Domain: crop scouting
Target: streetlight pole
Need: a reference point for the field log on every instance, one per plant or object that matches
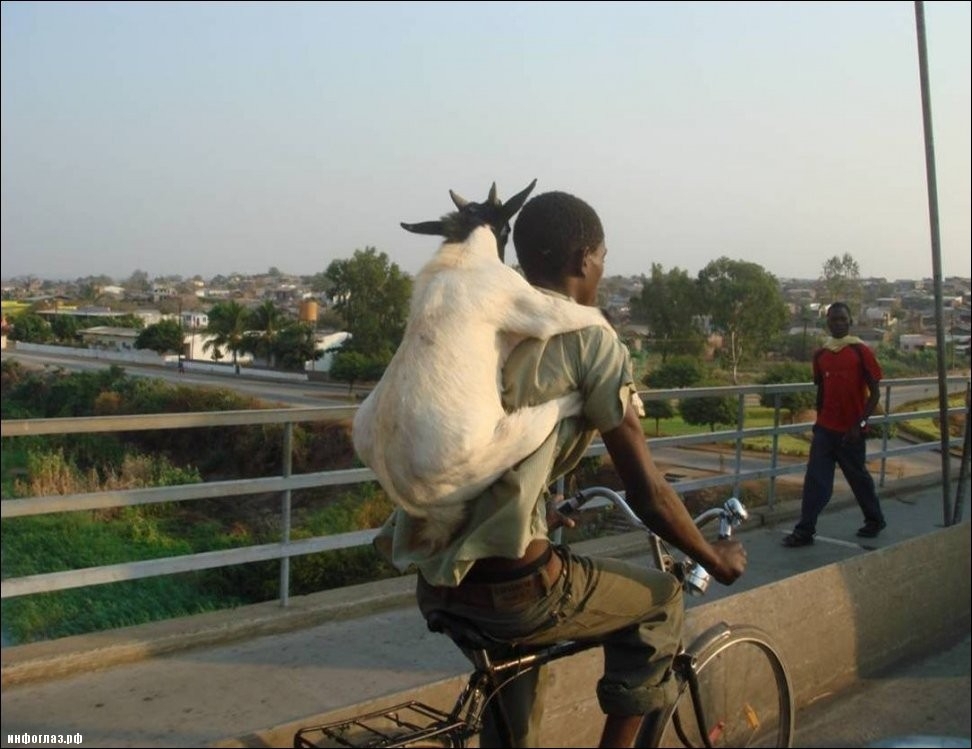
(182, 341)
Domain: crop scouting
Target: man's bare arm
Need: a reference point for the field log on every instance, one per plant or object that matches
(660, 507)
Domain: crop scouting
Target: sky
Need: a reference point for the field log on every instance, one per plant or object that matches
(215, 138)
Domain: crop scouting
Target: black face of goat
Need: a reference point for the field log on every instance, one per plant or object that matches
(458, 225)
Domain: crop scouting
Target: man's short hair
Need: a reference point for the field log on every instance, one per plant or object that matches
(839, 305)
(552, 231)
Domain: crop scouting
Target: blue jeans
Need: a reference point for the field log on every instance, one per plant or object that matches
(828, 450)
(634, 612)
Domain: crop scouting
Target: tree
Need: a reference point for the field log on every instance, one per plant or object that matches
(350, 367)
(30, 327)
(746, 304)
(162, 337)
(266, 321)
(65, 327)
(668, 303)
(710, 409)
(295, 345)
(681, 372)
(658, 410)
(841, 278)
(792, 402)
(372, 295)
(137, 282)
(320, 283)
(227, 326)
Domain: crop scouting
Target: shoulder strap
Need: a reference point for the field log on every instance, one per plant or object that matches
(860, 358)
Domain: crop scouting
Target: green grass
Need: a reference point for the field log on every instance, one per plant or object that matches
(927, 430)
(48, 543)
(756, 416)
(13, 461)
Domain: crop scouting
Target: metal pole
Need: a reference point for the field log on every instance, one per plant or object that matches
(964, 465)
(936, 257)
(775, 452)
(288, 464)
(740, 423)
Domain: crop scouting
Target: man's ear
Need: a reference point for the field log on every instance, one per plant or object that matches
(584, 261)
(577, 265)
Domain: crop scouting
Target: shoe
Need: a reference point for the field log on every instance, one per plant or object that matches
(870, 529)
(795, 539)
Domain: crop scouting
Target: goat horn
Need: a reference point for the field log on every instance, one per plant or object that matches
(458, 200)
(493, 199)
(516, 202)
(425, 227)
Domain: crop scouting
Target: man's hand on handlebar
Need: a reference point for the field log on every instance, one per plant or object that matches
(732, 561)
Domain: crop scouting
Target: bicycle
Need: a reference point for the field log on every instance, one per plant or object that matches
(733, 687)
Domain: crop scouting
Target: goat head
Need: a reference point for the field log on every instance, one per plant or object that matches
(458, 225)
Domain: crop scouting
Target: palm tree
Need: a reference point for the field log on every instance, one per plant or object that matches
(268, 320)
(227, 326)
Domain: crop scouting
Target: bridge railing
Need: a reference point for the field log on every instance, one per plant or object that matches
(287, 482)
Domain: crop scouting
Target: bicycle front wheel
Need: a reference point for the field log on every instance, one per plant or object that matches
(741, 695)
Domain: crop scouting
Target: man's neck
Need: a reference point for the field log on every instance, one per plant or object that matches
(557, 288)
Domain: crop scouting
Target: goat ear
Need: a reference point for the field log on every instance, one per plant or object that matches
(493, 199)
(516, 202)
(426, 227)
(458, 200)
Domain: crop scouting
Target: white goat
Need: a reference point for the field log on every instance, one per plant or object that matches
(434, 429)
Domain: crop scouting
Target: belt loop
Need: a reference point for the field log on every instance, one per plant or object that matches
(545, 577)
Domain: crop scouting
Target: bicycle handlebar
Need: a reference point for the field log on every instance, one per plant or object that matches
(694, 576)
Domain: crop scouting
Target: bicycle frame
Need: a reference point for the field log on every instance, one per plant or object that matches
(411, 722)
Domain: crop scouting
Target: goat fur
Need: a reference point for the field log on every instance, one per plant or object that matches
(434, 429)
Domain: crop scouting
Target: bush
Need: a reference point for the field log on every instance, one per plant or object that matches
(792, 402)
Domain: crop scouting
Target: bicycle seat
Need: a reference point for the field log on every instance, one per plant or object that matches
(462, 631)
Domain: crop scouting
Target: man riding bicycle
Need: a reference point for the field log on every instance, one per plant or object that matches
(499, 569)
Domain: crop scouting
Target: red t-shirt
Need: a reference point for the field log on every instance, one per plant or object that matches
(845, 390)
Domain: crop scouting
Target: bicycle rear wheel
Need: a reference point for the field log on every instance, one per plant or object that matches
(743, 690)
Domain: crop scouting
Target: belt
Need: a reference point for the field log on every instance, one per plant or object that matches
(525, 585)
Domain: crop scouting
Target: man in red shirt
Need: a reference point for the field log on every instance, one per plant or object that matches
(846, 374)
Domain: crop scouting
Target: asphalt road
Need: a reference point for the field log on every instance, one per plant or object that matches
(284, 393)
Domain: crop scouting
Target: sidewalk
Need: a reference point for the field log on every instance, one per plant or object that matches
(374, 643)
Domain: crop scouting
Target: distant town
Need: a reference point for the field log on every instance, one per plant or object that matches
(899, 313)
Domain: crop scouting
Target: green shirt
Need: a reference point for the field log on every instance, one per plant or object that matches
(503, 519)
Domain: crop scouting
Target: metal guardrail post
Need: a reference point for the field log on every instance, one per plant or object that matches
(964, 465)
(884, 436)
(288, 466)
(740, 424)
(775, 452)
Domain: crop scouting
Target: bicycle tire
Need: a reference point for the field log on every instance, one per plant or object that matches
(745, 692)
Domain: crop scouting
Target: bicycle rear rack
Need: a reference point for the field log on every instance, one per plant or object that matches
(405, 724)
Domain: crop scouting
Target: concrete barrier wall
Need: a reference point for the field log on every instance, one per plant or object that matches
(832, 626)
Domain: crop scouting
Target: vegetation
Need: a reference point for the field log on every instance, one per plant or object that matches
(162, 337)
(669, 303)
(746, 305)
(227, 325)
(794, 403)
(710, 410)
(842, 281)
(41, 466)
(372, 296)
